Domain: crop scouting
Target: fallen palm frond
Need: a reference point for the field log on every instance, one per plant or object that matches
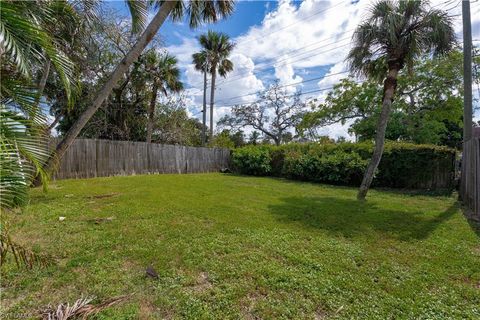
(82, 308)
(23, 256)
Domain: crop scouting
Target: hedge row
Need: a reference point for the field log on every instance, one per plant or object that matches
(403, 165)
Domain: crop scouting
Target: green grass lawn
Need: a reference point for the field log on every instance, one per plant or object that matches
(231, 247)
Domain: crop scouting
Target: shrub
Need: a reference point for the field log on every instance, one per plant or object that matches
(403, 165)
(337, 167)
(252, 160)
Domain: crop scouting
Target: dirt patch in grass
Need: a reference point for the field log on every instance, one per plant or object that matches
(202, 283)
(148, 311)
(320, 314)
(249, 303)
(100, 220)
(471, 282)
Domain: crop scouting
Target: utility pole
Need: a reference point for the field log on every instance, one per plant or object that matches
(204, 110)
(467, 71)
(467, 92)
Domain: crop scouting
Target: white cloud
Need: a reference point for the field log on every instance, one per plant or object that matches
(184, 51)
(291, 39)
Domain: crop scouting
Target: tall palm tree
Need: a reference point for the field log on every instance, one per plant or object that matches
(164, 74)
(394, 35)
(201, 64)
(218, 48)
(196, 11)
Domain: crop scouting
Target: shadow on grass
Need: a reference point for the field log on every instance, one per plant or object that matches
(352, 218)
(473, 220)
(402, 191)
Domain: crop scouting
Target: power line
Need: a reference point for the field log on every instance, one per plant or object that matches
(248, 73)
(444, 4)
(292, 24)
(270, 66)
(286, 85)
(289, 96)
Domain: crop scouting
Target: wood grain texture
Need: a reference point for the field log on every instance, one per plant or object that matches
(89, 158)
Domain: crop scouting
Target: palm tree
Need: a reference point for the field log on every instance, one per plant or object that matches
(201, 64)
(165, 76)
(217, 47)
(394, 35)
(27, 44)
(197, 11)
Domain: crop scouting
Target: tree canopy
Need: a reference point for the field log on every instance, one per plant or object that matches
(428, 107)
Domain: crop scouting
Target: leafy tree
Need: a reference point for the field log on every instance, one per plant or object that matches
(222, 140)
(394, 35)
(428, 107)
(228, 139)
(123, 116)
(254, 137)
(197, 11)
(238, 138)
(275, 114)
(173, 125)
(216, 49)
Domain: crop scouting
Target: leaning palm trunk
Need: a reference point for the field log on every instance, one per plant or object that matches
(151, 113)
(107, 88)
(49, 129)
(204, 117)
(42, 83)
(212, 99)
(389, 86)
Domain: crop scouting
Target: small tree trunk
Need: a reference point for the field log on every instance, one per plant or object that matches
(42, 84)
(212, 99)
(389, 86)
(107, 88)
(151, 113)
(54, 123)
(204, 116)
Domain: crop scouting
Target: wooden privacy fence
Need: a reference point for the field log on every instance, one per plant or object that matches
(88, 158)
(470, 180)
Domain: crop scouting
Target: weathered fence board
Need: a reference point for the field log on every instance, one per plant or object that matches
(88, 158)
(470, 180)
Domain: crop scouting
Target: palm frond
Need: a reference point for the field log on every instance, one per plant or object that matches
(139, 12)
(199, 11)
(82, 307)
(217, 47)
(25, 42)
(398, 32)
(225, 67)
(23, 257)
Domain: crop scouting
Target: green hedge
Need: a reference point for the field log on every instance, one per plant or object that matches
(252, 160)
(403, 165)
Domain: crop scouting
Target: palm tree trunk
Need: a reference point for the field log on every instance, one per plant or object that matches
(212, 99)
(389, 86)
(42, 83)
(54, 123)
(204, 118)
(151, 113)
(106, 89)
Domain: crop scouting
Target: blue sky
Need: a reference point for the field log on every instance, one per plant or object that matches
(285, 41)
